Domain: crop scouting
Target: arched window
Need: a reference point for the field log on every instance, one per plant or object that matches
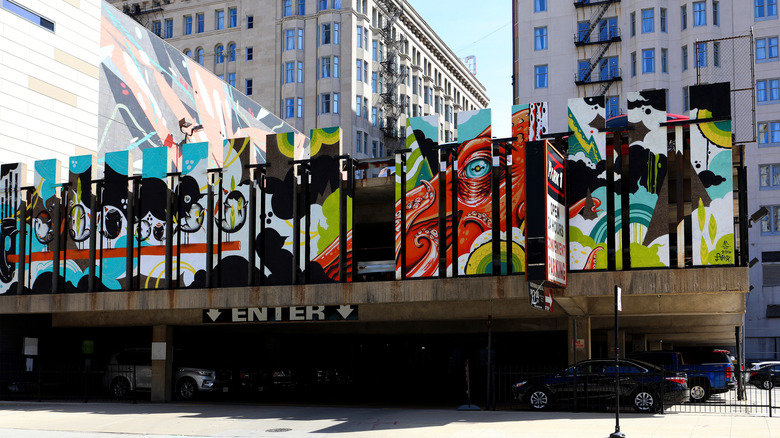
(188, 53)
(231, 52)
(220, 54)
(200, 54)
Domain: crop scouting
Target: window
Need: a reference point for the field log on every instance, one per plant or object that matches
(325, 67)
(335, 103)
(200, 54)
(715, 13)
(220, 54)
(300, 39)
(365, 108)
(768, 90)
(684, 53)
(336, 33)
(540, 76)
(231, 52)
(28, 15)
(374, 82)
(426, 100)
(685, 97)
(375, 148)
(613, 108)
(374, 50)
(765, 9)
(608, 68)
(540, 5)
(168, 28)
(187, 25)
(336, 67)
(633, 64)
(648, 20)
(289, 39)
(701, 54)
(286, 8)
(219, 20)
(232, 17)
(358, 70)
(583, 71)
(374, 116)
(289, 72)
(187, 53)
(366, 71)
(358, 101)
(322, 5)
(662, 18)
(769, 133)
(632, 24)
(289, 108)
(325, 103)
(766, 49)
(683, 17)
(300, 107)
(325, 33)
(770, 224)
(716, 54)
(249, 53)
(664, 61)
(250, 21)
(648, 61)
(157, 27)
(769, 176)
(583, 32)
(232, 79)
(699, 14)
(360, 37)
(540, 38)
(608, 29)
(248, 87)
(201, 23)
(300, 71)
(301, 7)
(359, 141)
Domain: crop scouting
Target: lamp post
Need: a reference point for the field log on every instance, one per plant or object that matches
(618, 307)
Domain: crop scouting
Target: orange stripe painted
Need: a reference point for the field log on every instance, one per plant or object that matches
(82, 254)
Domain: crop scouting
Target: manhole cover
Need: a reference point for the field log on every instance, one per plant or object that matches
(279, 429)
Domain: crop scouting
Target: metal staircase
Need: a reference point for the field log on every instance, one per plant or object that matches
(392, 76)
(583, 77)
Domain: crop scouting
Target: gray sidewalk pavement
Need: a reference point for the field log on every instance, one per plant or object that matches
(115, 420)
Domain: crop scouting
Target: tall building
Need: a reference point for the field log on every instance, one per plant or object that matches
(365, 64)
(609, 48)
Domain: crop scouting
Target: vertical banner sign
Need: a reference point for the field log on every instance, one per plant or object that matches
(192, 214)
(280, 225)
(397, 217)
(78, 212)
(152, 212)
(325, 209)
(232, 215)
(43, 233)
(712, 186)
(114, 224)
(586, 164)
(12, 179)
(474, 190)
(422, 207)
(647, 179)
(556, 217)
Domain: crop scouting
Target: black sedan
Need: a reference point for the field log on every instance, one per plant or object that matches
(765, 377)
(592, 383)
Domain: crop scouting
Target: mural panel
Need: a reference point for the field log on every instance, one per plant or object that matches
(78, 214)
(12, 179)
(647, 179)
(43, 241)
(712, 227)
(152, 211)
(114, 223)
(192, 214)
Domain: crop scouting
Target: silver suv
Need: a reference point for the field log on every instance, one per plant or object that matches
(131, 369)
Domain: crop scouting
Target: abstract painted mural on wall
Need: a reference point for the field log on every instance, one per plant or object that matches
(43, 242)
(712, 228)
(234, 190)
(152, 95)
(151, 218)
(587, 154)
(78, 213)
(474, 185)
(421, 209)
(329, 210)
(12, 179)
(114, 223)
(191, 214)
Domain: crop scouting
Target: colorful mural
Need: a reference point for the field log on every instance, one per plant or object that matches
(647, 179)
(152, 214)
(44, 239)
(12, 179)
(192, 214)
(712, 204)
(587, 154)
(115, 225)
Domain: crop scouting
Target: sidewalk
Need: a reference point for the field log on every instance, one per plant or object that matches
(66, 420)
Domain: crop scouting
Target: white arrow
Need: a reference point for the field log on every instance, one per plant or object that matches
(213, 314)
(344, 311)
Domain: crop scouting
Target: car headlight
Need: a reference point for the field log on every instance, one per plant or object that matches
(519, 384)
(203, 373)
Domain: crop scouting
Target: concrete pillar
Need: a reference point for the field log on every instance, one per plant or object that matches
(611, 342)
(162, 363)
(638, 342)
(579, 330)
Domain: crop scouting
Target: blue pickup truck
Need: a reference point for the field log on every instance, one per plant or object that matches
(709, 371)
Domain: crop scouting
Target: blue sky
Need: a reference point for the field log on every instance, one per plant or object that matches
(482, 29)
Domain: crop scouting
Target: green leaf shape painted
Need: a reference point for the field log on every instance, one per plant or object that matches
(704, 252)
(701, 214)
(713, 228)
(232, 183)
(723, 253)
(330, 209)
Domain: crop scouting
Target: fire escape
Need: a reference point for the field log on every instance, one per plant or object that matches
(143, 16)
(392, 76)
(608, 71)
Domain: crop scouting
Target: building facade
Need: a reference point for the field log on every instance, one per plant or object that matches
(611, 48)
(365, 64)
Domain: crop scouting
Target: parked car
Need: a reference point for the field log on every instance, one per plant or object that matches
(765, 376)
(131, 369)
(592, 383)
(709, 371)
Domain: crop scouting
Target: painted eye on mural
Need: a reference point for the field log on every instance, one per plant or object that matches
(477, 168)
(187, 199)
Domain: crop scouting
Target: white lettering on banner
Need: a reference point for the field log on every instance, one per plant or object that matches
(278, 313)
(297, 314)
(258, 314)
(239, 315)
(311, 311)
(293, 313)
(555, 177)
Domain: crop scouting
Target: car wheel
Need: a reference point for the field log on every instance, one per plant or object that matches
(767, 384)
(644, 401)
(120, 387)
(539, 398)
(186, 389)
(700, 392)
